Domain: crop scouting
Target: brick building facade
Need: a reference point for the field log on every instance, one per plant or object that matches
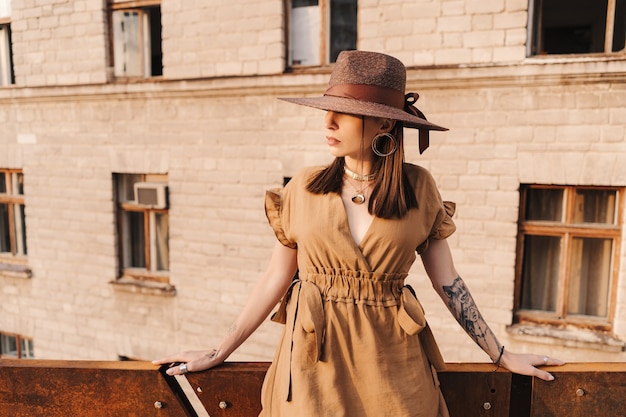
(195, 109)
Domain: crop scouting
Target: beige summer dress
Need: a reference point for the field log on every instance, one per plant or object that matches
(355, 341)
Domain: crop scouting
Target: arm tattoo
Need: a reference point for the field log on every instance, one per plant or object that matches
(213, 353)
(464, 309)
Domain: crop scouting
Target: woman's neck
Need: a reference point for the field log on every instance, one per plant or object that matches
(359, 166)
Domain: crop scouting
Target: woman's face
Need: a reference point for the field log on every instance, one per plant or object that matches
(344, 133)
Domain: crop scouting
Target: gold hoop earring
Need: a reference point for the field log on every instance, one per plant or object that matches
(393, 143)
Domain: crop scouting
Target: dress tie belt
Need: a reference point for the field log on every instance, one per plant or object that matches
(308, 306)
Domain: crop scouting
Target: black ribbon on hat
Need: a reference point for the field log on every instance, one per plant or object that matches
(424, 136)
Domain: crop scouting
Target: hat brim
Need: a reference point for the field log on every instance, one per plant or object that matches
(364, 108)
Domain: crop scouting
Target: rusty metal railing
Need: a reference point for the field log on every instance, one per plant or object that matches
(32, 388)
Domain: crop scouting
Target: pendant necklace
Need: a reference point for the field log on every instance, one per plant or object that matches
(359, 196)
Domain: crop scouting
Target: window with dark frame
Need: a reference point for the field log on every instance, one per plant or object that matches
(136, 38)
(568, 255)
(142, 226)
(7, 76)
(319, 30)
(16, 346)
(12, 215)
(577, 26)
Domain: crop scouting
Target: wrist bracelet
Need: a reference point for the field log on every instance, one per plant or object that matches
(497, 363)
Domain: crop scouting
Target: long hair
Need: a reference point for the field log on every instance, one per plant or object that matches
(392, 195)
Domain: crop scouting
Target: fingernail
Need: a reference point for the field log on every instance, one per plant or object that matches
(550, 377)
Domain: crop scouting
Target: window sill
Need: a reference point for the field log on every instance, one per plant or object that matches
(15, 271)
(569, 336)
(143, 287)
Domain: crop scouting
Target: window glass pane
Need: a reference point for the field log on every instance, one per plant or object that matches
(20, 229)
(154, 46)
(544, 204)
(342, 26)
(589, 278)
(540, 272)
(619, 26)
(19, 184)
(3, 183)
(5, 233)
(8, 345)
(569, 26)
(304, 34)
(303, 3)
(134, 244)
(27, 348)
(162, 241)
(6, 60)
(126, 44)
(5, 8)
(125, 190)
(595, 206)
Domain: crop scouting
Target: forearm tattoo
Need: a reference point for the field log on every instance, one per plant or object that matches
(463, 307)
(213, 353)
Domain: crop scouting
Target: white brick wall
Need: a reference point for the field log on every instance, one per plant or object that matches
(223, 138)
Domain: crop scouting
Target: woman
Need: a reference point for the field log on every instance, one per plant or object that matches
(356, 342)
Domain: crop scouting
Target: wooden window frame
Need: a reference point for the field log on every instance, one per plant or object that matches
(149, 273)
(139, 6)
(324, 35)
(11, 199)
(567, 230)
(18, 344)
(7, 77)
(535, 35)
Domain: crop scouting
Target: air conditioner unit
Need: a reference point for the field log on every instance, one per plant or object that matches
(152, 194)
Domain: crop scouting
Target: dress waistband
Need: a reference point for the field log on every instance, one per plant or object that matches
(361, 287)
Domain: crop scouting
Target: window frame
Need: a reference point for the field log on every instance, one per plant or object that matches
(535, 29)
(146, 42)
(567, 230)
(324, 36)
(7, 75)
(18, 246)
(19, 340)
(149, 273)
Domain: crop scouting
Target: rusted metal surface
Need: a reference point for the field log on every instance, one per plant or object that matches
(476, 390)
(581, 390)
(30, 388)
(139, 389)
(232, 389)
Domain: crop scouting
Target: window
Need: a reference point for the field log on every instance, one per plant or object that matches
(12, 218)
(6, 55)
(136, 29)
(577, 26)
(16, 346)
(142, 226)
(568, 253)
(320, 29)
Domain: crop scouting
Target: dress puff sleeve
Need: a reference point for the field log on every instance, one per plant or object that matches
(444, 225)
(273, 211)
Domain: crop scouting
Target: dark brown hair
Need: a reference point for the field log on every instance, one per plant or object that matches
(392, 195)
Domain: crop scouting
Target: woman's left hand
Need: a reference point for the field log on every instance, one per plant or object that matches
(527, 363)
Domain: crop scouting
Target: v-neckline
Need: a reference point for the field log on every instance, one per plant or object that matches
(358, 245)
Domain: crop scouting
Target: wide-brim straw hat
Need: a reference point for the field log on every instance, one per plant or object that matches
(371, 84)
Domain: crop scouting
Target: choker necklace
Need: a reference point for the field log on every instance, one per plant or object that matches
(358, 177)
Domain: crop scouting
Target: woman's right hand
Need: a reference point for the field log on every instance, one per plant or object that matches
(196, 360)
(264, 297)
